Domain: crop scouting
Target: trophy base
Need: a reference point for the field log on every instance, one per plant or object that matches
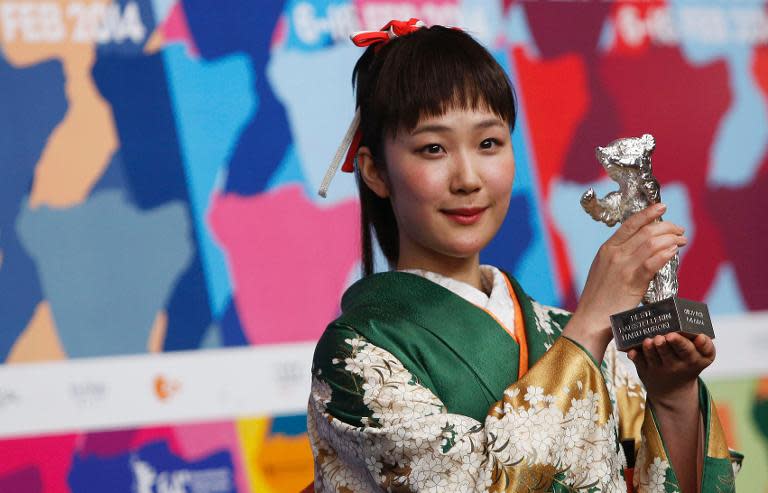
(672, 314)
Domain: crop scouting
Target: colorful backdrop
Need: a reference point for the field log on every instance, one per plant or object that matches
(166, 263)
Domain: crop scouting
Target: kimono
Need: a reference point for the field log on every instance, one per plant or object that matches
(416, 389)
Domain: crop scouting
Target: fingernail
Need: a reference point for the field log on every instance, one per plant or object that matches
(661, 207)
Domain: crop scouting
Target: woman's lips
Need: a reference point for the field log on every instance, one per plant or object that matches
(465, 215)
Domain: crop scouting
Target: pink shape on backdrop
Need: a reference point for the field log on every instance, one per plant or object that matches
(114, 442)
(200, 440)
(280, 34)
(106, 443)
(289, 260)
(52, 456)
(176, 29)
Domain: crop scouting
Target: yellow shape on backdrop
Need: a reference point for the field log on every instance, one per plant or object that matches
(275, 463)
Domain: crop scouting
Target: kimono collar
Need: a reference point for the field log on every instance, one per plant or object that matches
(498, 303)
(385, 307)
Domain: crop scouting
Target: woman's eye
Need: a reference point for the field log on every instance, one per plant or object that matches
(489, 143)
(432, 149)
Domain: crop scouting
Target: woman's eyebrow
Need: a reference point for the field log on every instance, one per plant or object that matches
(435, 127)
(438, 128)
(491, 122)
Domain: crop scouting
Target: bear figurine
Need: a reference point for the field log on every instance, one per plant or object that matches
(628, 162)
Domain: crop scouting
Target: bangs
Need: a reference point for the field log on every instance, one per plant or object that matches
(428, 73)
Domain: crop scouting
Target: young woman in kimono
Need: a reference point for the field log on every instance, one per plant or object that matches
(443, 374)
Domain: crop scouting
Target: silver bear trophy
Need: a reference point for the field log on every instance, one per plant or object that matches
(628, 162)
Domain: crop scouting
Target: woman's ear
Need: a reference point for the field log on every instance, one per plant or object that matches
(371, 174)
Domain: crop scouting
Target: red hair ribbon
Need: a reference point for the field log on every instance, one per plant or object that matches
(391, 30)
(353, 136)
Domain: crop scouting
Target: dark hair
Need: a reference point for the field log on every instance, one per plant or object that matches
(422, 74)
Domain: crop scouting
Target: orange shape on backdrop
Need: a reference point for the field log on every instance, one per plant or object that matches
(274, 462)
(39, 341)
(762, 388)
(158, 332)
(726, 420)
(286, 462)
(79, 149)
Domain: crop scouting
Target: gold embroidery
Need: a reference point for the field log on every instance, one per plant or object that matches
(557, 370)
(630, 398)
(652, 437)
(631, 422)
(717, 448)
(532, 478)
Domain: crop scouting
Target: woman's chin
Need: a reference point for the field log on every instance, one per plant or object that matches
(465, 251)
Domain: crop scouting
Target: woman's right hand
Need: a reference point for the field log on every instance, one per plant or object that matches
(620, 274)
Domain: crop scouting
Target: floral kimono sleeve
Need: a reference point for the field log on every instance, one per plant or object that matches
(374, 427)
(639, 427)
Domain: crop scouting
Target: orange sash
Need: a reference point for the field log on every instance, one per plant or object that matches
(518, 334)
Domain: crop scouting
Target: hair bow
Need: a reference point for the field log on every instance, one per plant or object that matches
(391, 30)
(351, 141)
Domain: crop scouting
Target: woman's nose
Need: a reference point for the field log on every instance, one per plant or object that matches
(466, 178)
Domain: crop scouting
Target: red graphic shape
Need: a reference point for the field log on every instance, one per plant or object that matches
(51, 457)
(560, 28)
(760, 69)
(175, 29)
(553, 112)
(27, 480)
(659, 92)
(744, 234)
(632, 37)
(116, 442)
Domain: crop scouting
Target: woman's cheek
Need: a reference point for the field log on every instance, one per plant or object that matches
(501, 180)
(424, 185)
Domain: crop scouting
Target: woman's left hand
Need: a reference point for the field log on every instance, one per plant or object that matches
(669, 365)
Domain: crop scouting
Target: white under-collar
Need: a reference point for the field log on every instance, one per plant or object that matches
(499, 303)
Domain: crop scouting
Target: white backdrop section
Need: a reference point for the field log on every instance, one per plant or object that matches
(198, 386)
(169, 388)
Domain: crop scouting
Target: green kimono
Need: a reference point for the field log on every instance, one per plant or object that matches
(416, 389)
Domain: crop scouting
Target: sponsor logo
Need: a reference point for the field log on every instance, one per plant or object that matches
(290, 373)
(148, 480)
(88, 393)
(151, 468)
(8, 398)
(165, 388)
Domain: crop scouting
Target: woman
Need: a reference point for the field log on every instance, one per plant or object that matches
(442, 374)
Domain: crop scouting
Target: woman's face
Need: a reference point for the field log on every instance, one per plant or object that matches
(450, 181)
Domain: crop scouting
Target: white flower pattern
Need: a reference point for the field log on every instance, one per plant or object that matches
(411, 443)
(419, 446)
